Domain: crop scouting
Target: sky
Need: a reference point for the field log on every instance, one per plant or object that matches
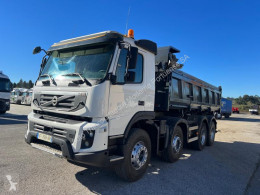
(220, 37)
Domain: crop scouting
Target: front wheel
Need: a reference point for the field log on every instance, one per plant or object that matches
(226, 116)
(137, 153)
(174, 149)
(2, 112)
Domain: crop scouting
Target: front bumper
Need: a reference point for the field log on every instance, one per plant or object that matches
(70, 142)
(4, 104)
(98, 159)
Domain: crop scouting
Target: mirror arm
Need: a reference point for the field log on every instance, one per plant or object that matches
(128, 60)
(44, 52)
(127, 65)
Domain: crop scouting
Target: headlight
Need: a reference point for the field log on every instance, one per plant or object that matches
(87, 139)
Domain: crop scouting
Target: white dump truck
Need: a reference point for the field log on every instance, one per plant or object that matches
(27, 97)
(5, 88)
(107, 99)
(17, 95)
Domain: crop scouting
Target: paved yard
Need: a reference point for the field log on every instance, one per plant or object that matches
(231, 166)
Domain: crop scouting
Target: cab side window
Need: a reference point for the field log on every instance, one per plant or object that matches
(138, 70)
(121, 68)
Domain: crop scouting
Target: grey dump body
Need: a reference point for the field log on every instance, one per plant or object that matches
(176, 89)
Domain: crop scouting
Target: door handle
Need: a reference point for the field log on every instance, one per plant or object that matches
(141, 103)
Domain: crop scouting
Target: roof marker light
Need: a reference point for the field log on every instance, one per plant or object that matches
(130, 33)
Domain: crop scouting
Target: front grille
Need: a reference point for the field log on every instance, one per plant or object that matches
(63, 133)
(57, 101)
(61, 118)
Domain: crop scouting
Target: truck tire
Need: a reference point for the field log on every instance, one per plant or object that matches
(137, 153)
(211, 134)
(3, 108)
(201, 142)
(174, 149)
(226, 116)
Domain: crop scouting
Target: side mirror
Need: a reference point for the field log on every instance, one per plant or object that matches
(132, 57)
(37, 50)
(130, 76)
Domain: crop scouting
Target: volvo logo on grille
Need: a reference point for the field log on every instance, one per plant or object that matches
(54, 101)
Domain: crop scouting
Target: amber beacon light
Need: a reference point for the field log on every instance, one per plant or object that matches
(131, 33)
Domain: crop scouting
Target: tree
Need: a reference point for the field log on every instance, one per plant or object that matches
(30, 84)
(20, 84)
(24, 84)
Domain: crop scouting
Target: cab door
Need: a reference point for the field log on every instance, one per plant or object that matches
(126, 97)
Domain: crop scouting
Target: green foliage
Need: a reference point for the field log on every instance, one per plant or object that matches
(23, 84)
(245, 102)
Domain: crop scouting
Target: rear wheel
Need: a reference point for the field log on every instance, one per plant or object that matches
(137, 153)
(3, 108)
(226, 116)
(174, 149)
(211, 134)
(202, 139)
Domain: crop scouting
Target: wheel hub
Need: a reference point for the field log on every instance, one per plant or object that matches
(203, 137)
(176, 143)
(212, 135)
(139, 155)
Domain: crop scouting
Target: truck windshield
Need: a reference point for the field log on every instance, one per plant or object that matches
(91, 62)
(5, 85)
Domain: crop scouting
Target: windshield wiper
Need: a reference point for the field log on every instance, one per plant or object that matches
(50, 78)
(82, 78)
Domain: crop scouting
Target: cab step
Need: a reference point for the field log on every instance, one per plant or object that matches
(116, 158)
(192, 139)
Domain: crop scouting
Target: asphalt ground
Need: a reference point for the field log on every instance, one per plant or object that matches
(230, 166)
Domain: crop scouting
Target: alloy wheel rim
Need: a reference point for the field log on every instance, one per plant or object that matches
(212, 135)
(176, 143)
(203, 137)
(139, 155)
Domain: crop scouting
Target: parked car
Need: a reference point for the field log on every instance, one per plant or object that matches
(254, 109)
(235, 110)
